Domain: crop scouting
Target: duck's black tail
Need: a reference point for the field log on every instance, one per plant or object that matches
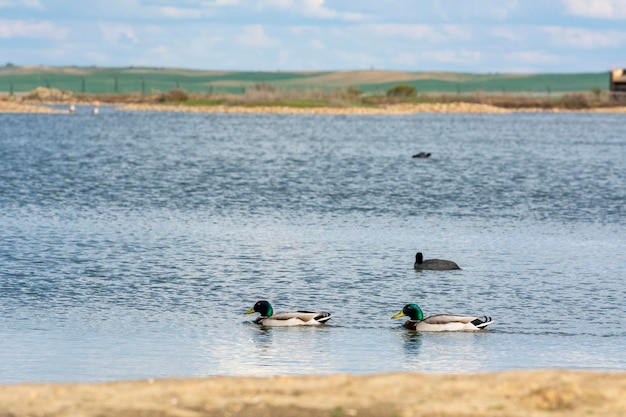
(323, 317)
(482, 322)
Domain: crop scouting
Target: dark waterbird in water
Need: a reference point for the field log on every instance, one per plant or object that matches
(440, 322)
(422, 155)
(433, 264)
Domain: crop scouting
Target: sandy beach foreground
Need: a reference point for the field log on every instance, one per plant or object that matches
(516, 393)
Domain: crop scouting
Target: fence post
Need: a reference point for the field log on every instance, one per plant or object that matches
(10, 88)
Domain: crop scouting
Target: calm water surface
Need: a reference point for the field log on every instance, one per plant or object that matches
(132, 243)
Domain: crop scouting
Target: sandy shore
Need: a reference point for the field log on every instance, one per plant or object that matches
(400, 109)
(24, 107)
(16, 107)
(522, 393)
(392, 109)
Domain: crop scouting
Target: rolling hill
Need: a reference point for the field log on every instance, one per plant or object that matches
(14, 79)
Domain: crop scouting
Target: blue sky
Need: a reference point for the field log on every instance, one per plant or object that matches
(299, 35)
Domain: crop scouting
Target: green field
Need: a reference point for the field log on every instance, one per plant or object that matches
(96, 80)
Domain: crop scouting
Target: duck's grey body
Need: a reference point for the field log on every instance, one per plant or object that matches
(448, 323)
(295, 318)
(433, 264)
(440, 322)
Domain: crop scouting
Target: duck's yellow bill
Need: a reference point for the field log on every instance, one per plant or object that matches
(249, 311)
(395, 316)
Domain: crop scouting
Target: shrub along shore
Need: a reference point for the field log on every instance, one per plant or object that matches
(350, 101)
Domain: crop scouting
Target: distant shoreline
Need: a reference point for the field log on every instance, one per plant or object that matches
(557, 393)
(397, 109)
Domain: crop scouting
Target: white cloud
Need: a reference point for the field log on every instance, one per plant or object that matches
(311, 8)
(423, 32)
(602, 9)
(315, 8)
(317, 44)
(173, 12)
(154, 30)
(531, 57)
(457, 32)
(504, 9)
(254, 35)
(203, 42)
(278, 4)
(416, 32)
(113, 10)
(188, 53)
(453, 57)
(98, 58)
(158, 50)
(301, 30)
(115, 34)
(505, 32)
(195, 9)
(223, 3)
(26, 4)
(406, 59)
(584, 38)
(12, 29)
(322, 34)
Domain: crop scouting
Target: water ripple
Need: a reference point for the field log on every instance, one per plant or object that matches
(133, 242)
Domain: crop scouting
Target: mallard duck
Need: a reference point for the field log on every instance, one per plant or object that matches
(440, 322)
(433, 264)
(296, 318)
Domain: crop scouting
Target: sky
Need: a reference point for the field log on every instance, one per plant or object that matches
(482, 36)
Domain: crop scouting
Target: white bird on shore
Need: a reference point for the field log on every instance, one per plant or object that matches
(440, 322)
(296, 318)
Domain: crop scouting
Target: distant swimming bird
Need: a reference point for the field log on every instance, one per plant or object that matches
(433, 264)
(422, 155)
(440, 322)
(297, 318)
(72, 109)
(96, 110)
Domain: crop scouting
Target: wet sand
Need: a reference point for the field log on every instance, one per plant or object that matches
(517, 393)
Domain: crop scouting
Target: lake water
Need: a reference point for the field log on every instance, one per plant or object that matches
(132, 243)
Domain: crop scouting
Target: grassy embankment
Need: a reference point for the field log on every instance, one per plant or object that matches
(361, 89)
